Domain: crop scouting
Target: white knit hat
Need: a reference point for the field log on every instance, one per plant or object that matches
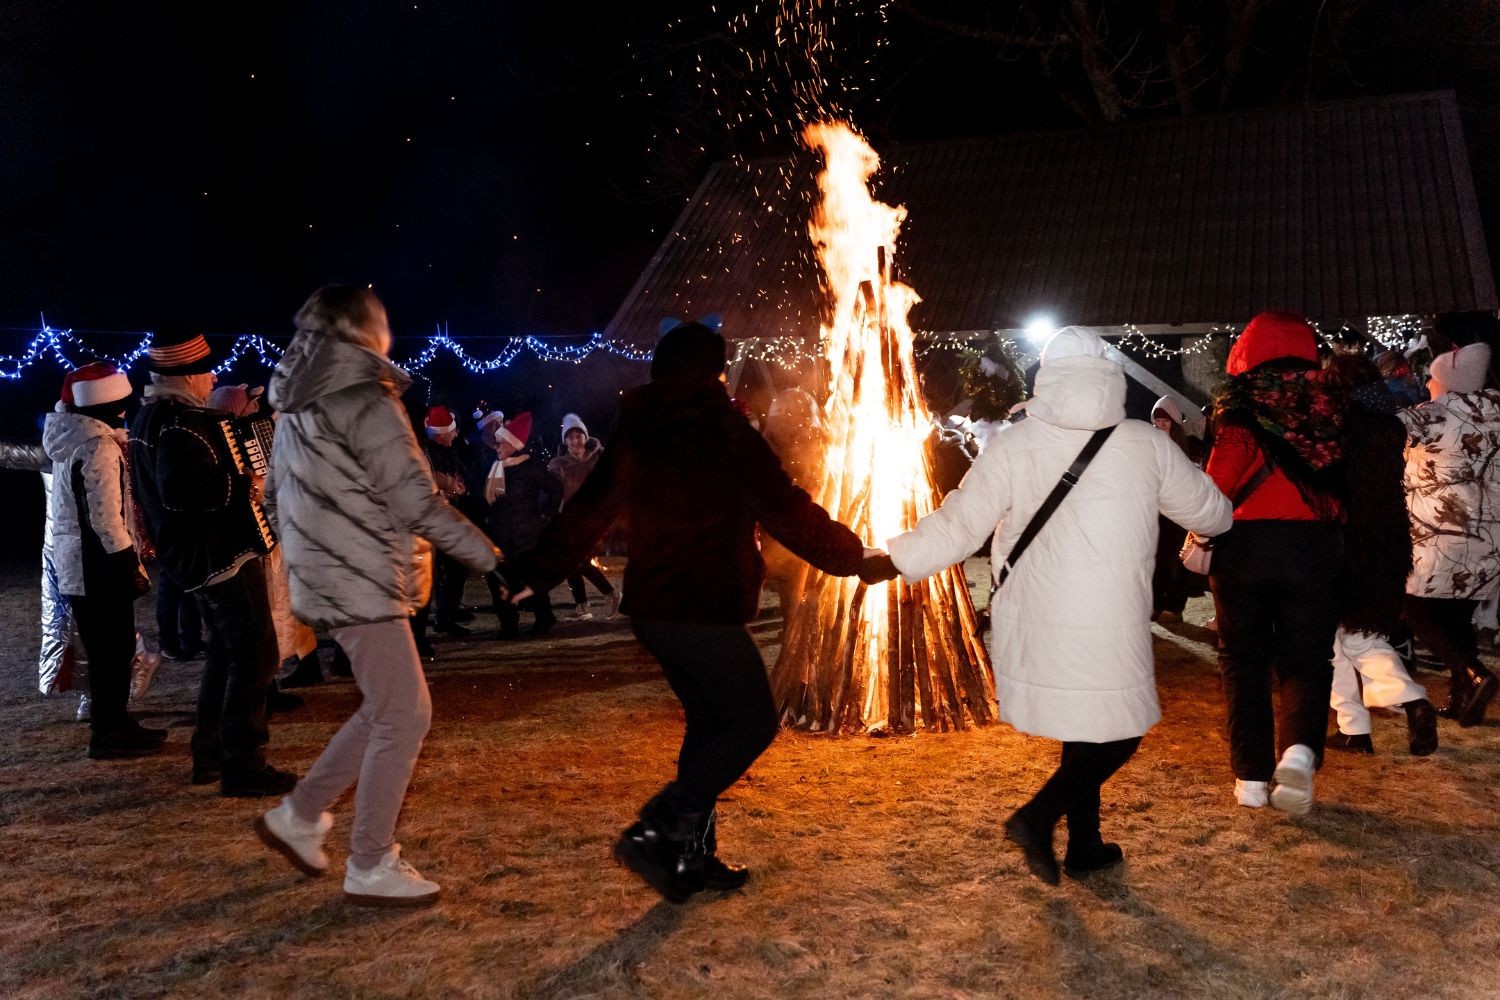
(572, 421)
(487, 420)
(1462, 369)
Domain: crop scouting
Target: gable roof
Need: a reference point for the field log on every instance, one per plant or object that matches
(1343, 209)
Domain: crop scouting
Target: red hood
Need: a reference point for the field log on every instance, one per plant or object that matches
(1269, 336)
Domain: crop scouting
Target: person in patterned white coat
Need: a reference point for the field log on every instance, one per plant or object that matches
(1088, 681)
(1453, 499)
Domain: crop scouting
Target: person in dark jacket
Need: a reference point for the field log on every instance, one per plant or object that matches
(695, 479)
(1367, 670)
(97, 566)
(1275, 575)
(448, 457)
(199, 512)
(522, 496)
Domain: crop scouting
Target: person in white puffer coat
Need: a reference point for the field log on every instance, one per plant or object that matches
(1071, 628)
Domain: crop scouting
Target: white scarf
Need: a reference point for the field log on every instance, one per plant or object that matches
(494, 483)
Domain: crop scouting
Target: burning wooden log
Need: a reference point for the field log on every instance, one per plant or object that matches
(894, 656)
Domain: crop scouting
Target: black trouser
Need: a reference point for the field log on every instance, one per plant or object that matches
(1073, 789)
(594, 575)
(717, 673)
(450, 575)
(1445, 625)
(179, 627)
(242, 660)
(1276, 598)
(106, 625)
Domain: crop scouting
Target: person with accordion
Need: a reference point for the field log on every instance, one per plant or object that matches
(194, 480)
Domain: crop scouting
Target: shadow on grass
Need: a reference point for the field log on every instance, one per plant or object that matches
(610, 967)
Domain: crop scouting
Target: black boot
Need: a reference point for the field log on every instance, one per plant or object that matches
(1036, 844)
(1421, 727)
(1091, 858)
(510, 620)
(1480, 689)
(129, 739)
(340, 666)
(545, 618)
(424, 648)
(723, 876)
(1358, 743)
(662, 848)
(307, 673)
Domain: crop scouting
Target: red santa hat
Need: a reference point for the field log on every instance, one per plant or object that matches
(440, 420)
(95, 385)
(515, 430)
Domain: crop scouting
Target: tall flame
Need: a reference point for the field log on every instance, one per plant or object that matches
(878, 479)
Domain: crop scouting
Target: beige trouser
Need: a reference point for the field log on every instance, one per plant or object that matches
(1367, 673)
(378, 746)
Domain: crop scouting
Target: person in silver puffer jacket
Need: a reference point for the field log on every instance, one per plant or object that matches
(357, 511)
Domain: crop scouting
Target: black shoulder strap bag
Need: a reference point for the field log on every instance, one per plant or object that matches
(1054, 500)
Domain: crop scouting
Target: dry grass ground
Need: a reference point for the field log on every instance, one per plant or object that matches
(879, 871)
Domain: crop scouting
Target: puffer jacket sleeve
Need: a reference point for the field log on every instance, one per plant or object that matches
(967, 517)
(102, 479)
(381, 438)
(15, 455)
(1188, 496)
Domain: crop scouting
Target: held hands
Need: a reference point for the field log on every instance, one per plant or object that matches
(877, 567)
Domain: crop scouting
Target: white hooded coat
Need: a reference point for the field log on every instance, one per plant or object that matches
(1071, 628)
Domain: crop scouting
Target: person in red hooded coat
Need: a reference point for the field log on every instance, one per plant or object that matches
(1277, 455)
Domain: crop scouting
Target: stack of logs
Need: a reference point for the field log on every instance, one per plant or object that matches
(927, 666)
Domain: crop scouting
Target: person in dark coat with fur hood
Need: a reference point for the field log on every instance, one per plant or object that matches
(580, 453)
(695, 479)
(522, 496)
(1367, 671)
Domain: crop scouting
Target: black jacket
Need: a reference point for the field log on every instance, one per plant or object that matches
(517, 517)
(695, 478)
(194, 503)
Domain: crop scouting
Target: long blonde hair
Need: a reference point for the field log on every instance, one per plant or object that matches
(341, 311)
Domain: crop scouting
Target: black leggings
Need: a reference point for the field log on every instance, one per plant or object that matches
(717, 673)
(593, 574)
(1073, 789)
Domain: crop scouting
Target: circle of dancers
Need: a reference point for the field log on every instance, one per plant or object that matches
(1343, 513)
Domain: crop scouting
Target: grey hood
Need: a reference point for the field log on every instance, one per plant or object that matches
(316, 365)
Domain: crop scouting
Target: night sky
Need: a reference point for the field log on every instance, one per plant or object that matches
(491, 165)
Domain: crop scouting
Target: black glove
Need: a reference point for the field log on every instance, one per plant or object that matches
(878, 569)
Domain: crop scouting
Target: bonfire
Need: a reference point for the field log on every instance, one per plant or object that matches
(894, 656)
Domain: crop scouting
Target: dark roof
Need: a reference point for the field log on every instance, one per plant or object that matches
(1338, 210)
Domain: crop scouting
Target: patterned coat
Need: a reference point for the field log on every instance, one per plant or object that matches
(350, 492)
(1453, 495)
(88, 506)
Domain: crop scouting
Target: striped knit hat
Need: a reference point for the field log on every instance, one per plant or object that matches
(180, 352)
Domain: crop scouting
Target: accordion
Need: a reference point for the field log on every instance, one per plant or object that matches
(248, 442)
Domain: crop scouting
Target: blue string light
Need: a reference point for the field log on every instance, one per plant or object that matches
(54, 342)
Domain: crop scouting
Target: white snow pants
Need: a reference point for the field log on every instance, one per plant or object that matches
(1367, 673)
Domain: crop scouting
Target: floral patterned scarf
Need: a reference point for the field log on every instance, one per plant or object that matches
(1297, 415)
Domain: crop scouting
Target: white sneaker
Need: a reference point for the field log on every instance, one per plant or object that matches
(614, 604)
(392, 882)
(581, 613)
(1293, 791)
(142, 672)
(1252, 794)
(299, 841)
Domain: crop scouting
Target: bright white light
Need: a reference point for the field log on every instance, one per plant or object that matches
(1039, 328)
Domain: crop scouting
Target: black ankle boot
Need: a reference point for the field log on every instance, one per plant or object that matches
(1035, 844)
(1479, 690)
(1091, 858)
(663, 847)
(1421, 727)
(307, 673)
(720, 875)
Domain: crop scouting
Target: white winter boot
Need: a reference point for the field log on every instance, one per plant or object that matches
(392, 882)
(296, 839)
(1293, 788)
(1252, 794)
